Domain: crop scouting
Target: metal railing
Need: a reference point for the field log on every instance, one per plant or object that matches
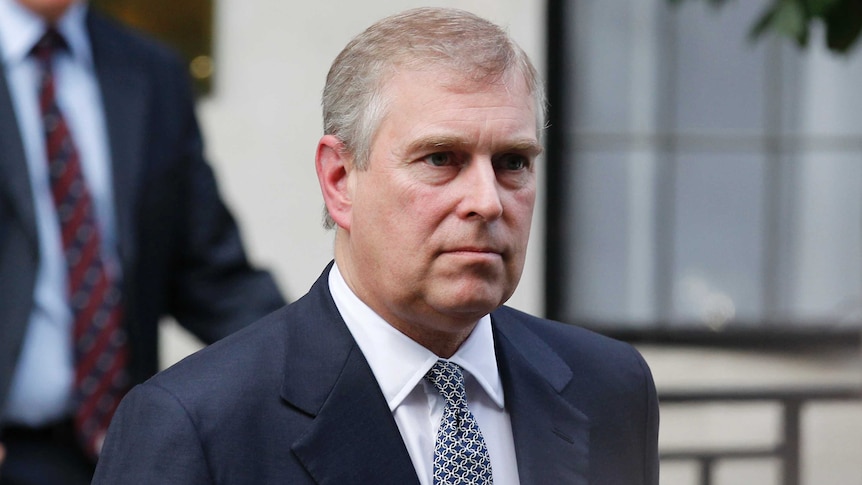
(787, 450)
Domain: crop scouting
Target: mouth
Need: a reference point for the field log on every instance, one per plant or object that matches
(475, 252)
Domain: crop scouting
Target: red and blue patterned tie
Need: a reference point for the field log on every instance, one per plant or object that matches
(100, 347)
(460, 454)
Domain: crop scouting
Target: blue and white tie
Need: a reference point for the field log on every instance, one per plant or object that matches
(460, 454)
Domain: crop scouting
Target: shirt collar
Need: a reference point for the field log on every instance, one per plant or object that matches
(20, 29)
(398, 362)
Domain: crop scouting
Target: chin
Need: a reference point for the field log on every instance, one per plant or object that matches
(470, 296)
(473, 309)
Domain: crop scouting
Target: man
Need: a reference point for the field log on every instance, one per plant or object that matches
(109, 219)
(401, 366)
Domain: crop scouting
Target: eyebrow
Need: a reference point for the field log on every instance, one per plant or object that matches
(527, 146)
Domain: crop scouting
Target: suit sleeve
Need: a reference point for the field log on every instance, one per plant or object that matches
(152, 439)
(214, 289)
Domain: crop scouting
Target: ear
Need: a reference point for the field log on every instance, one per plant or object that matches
(333, 164)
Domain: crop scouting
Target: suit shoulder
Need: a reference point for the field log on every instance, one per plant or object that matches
(580, 348)
(230, 362)
(251, 355)
(568, 334)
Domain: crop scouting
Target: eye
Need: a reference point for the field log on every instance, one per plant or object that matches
(512, 162)
(440, 159)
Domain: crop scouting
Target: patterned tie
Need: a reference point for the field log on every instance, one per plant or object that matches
(460, 454)
(100, 348)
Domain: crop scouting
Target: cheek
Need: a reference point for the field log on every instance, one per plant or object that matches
(392, 216)
(521, 208)
(420, 208)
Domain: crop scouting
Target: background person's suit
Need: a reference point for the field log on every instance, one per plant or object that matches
(292, 399)
(179, 247)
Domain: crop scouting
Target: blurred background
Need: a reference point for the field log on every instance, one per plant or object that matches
(702, 197)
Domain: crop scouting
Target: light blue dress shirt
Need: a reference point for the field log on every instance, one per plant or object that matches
(41, 387)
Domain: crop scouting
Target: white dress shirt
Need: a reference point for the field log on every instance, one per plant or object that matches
(41, 387)
(399, 365)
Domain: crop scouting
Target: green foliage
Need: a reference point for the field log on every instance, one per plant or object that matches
(794, 19)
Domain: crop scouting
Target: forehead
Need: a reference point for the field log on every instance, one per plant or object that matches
(418, 101)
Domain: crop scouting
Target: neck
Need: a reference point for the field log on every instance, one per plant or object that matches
(441, 334)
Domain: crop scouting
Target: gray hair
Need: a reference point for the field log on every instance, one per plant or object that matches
(354, 98)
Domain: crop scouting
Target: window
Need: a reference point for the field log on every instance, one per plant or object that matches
(699, 181)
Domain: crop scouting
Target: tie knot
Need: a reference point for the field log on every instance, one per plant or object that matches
(50, 42)
(449, 381)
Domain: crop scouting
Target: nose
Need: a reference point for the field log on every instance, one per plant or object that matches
(481, 191)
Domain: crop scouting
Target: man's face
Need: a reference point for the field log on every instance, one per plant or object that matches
(440, 219)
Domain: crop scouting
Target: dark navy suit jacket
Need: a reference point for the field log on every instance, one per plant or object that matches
(179, 247)
(292, 400)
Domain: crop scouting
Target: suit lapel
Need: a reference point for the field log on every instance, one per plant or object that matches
(353, 437)
(125, 90)
(14, 174)
(551, 436)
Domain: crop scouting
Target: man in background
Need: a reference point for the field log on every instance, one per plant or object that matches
(110, 219)
(401, 365)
